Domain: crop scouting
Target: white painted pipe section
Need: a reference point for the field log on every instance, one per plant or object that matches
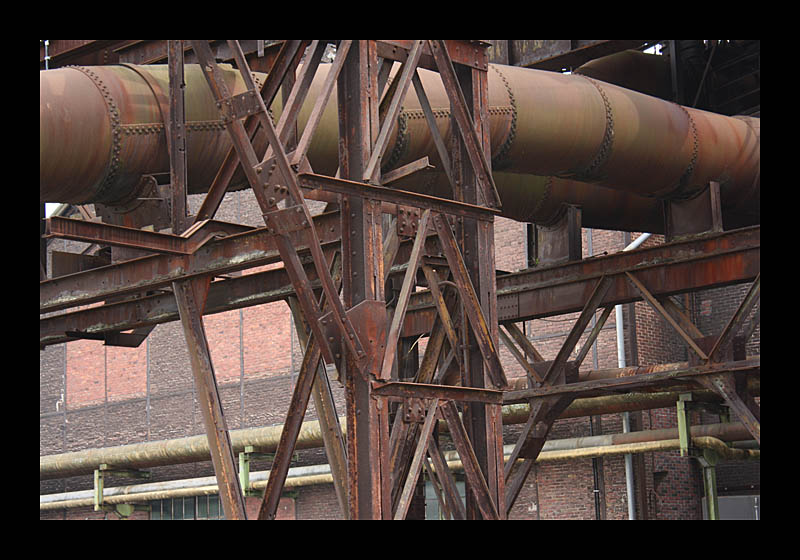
(626, 417)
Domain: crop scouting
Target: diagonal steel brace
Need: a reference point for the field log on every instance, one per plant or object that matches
(251, 165)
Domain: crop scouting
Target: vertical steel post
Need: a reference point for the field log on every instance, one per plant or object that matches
(177, 135)
(483, 422)
(708, 461)
(367, 418)
(684, 424)
(190, 296)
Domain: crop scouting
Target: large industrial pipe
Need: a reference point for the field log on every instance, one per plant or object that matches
(195, 448)
(553, 450)
(555, 139)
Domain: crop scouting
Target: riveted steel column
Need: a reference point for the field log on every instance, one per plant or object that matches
(176, 135)
(362, 249)
(482, 421)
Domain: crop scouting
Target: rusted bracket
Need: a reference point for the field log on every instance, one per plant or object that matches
(407, 220)
(405, 294)
(239, 106)
(416, 461)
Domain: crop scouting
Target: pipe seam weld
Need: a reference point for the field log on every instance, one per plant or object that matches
(501, 159)
(682, 191)
(102, 192)
(594, 171)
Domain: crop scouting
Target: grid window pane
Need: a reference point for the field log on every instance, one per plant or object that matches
(202, 507)
(213, 507)
(177, 509)
(189, 508)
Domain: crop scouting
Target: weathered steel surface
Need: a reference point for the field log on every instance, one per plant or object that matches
(119, 236)
(444, 392)
(235, 252)
(713, 260)
(664, 377)
(191, 297)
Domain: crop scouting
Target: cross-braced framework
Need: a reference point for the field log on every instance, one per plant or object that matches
(336, 264)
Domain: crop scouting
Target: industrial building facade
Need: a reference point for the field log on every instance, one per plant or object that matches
(97, 394)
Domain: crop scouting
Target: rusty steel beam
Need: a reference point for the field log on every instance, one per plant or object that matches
(367, 418)
(402, 389)
(291, 428)
(555, 55)
(738, 262)
(119, 236)
(233, 253)
(416, 462)
(744, 309)
(191, 297)
(468, 53)
(707, 261)
(224, 295)
(664, 377)
(308, 381)
(331, 430)
(480, 490)
(175, 119)
(396, 196)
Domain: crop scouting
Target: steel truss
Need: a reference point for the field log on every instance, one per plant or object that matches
(351, 250)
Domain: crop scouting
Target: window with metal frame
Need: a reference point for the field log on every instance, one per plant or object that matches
(187, 508)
